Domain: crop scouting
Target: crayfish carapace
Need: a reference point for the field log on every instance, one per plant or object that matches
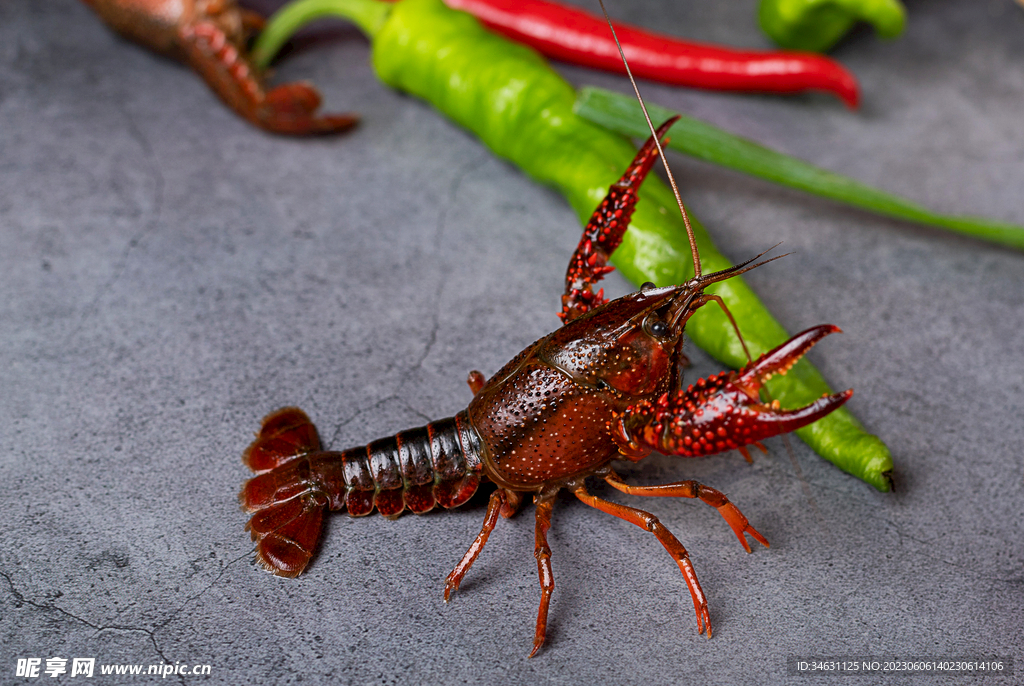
(605, 386)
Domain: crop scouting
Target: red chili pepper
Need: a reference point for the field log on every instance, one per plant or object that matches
(572, 35)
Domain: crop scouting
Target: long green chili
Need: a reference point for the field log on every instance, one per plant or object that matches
(508, 95)
(694, 137)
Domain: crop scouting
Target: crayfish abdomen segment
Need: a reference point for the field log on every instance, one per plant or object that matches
(438, 464)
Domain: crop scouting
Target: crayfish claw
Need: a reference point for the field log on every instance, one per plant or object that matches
(252, 21)
(224, 64)
(604, 232)
(725, 411)
(781, 359)
(290, 109)
(211, 38)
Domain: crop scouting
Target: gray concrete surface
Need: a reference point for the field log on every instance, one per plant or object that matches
(169, 275)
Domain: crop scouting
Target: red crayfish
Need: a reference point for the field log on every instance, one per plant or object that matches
(606, 386)
(210, 36)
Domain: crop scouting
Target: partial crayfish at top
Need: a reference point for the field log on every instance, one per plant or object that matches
(210, 36)
(606, 386)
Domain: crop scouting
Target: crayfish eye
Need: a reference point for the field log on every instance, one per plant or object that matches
(647, 285)
(658, 328)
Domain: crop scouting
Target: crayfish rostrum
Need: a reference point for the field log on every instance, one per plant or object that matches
(605, 386)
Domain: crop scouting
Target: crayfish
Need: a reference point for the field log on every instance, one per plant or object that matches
(210, 36)
(606, 386)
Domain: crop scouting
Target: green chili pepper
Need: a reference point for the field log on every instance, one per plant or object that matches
(508, 95)
(622, 114)
(817, 25)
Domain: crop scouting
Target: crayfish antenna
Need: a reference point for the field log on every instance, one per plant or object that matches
(697, 274)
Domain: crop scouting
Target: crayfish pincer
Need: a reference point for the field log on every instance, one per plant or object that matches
(605, 386)
(210, 36)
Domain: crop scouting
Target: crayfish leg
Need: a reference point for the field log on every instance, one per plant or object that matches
(648, 522)
(542, 552)
(694, 489)
(494, 505)
(476, 381)
(746, 453)
(511, 505)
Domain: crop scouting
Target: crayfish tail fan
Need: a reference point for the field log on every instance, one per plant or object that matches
(286, 533)
(285, 435)
(288, 493)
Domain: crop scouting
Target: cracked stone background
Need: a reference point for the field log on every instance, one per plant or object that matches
(170, 275)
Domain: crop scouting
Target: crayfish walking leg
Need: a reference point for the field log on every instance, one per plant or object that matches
(494, 506)
(502, 502)
(545, 502)
(694, 489)
(648, 522)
